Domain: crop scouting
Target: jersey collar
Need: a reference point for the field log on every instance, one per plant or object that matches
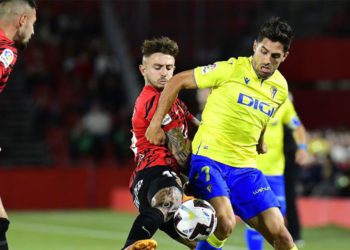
(150, 87)
(2, 34)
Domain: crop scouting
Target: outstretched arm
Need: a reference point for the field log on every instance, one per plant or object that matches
(183, 80)
(301, 155)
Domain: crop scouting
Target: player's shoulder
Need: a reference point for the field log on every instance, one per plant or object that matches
(240, 64)
(147, 98)
(147, 93)
(279, 79)
(8, 53)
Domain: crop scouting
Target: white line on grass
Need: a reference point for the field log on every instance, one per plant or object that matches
(89, 233)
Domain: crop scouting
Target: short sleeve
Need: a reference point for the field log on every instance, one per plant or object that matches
(213, 75)
(290, 116)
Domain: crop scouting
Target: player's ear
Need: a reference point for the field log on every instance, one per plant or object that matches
(255, 44)
(142, 69)
(22, 20)
(285, 56)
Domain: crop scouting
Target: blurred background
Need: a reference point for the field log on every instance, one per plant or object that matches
(65, 114)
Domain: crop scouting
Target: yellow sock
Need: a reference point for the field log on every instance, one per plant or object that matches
(294, 248)
(215, 242)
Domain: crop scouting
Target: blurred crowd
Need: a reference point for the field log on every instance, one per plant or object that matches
(329, 171)
(76, 87)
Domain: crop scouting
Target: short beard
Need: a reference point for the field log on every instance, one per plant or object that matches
(20, 45)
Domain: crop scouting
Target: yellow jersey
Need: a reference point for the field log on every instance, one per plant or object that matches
(238, 108)
(273, 162)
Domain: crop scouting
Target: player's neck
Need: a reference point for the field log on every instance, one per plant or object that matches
(7, 31)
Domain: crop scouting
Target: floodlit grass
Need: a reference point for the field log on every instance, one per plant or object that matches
(107, 230)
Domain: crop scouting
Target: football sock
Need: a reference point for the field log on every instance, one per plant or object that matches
(294, 248)
(212, 243)
(4, 225)
(145, 225)
(254, 239)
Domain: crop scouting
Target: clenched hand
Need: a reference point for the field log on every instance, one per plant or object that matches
(155, 135)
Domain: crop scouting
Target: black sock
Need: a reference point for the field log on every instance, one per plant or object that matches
(4, 225)
(145, 225)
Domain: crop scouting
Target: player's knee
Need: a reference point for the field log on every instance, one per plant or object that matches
(225, 226)
(167, 200)
(276, 226)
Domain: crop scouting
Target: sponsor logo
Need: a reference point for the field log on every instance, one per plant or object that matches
(255, 104)
(208, 68)
(260, 190)
(246, 80)
(7, 57)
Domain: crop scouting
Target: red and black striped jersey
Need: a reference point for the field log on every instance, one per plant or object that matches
(8, 58)
(146, 154)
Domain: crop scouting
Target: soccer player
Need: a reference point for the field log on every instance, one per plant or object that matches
(272, 163)
(246, 92)
(17, 18)
(155, 183)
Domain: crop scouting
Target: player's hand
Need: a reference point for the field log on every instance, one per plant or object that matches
(155, 135)
(261, 148)
(302, 157)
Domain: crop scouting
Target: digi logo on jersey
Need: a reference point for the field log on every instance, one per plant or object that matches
(256, 104)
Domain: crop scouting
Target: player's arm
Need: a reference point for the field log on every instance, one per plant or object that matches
(183, 80)
(178, 145)
(291, 119)
(261, 147)
(195, 121)
(301, 155)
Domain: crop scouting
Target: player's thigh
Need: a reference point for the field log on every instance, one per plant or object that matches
(149, 182)
(269, 223)
(250, 193)
(166, 195)
(206, 178)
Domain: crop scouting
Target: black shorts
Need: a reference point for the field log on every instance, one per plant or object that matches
(149, 181)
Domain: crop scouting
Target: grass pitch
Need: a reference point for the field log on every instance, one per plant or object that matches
(107, 230)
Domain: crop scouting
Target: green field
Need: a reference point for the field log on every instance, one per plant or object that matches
(107, 230)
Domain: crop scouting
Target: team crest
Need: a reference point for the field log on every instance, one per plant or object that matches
(7, 57)
(208, 68)
(273, 91)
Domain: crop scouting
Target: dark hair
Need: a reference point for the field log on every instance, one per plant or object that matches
(276, 30)
(31, 3)
(160, 44)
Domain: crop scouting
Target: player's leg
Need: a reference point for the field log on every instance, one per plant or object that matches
(4, 224)
(291, 174)
(255, 241)
(157, 192)
(270, 224)
(167, 200)
(255, 202)
(207, 183)
(169, 228)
